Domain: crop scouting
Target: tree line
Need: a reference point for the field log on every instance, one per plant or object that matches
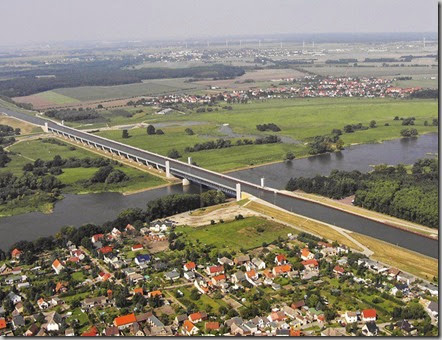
(226, 143)
(387, 189)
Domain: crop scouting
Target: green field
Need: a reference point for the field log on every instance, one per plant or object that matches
(56, 98)
(28, 151)
(248, 233)
(146, 88)
(299, 119)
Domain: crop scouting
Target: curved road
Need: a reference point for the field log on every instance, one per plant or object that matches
(403, 238)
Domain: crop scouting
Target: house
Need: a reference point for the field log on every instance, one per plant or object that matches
(214, 270)
(189, 266)
(14, 297)
(197, 317)
(280, 259)
(310, 263)
(104, 276)
(137, 247)
(16, 253)
(142, 259)
(289, 311)
(190, 275)
(130, 229)
(298, 304)
(154, 293)
(135, 277)
(32, 331)
(433, 290)
(400, 287)
(97, 238)
(57, 266)
(61, 287)
(105, 250)
(240, 260)
(2, 324)
(332, 332)
(307, 254)
(94, 302)
(239, 330)
(259, 264)
(279, 270)
(93, 331)
(42, 304)
(179, 319)
(116, 233)
(212, 326)
(18, 321)
(217, 280)
(189, 328)
(69, 332)
(238, 277)
(225, 261)
(172, 275)
(251, 276)
(370, 329)
(138, 290)
(350, 317)
(368, 315)
(393, 273)
(433, 308)
(124, 321)
(406, 327)
(54, 321)
(338, 270)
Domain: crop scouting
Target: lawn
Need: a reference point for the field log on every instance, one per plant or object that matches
(248, 233)
(56, 98)
(299, 119)
(203, 302)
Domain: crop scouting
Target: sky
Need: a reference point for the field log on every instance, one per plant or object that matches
(35, 21)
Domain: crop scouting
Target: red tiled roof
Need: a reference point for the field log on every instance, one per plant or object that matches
(105, 250)
(2, 323)
(188, 326)
(310, 262)
(125, 320)
(212, 325)
(195, 316)
(190, 265)
(369, 313)
(137, 246)
(93, 331)
(216, 269)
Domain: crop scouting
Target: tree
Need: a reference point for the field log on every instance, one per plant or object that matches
(150, 129)
(173, 154)
(189, 131)
(160, 132)
(289, 156)
(125, 134)
(372, 124)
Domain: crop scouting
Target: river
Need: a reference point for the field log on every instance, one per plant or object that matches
(77, 210)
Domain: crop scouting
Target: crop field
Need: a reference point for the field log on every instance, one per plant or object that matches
(371, 71)
(299, 119)
(146, 88)
(248, 233)
(29, 151)
(258, 78)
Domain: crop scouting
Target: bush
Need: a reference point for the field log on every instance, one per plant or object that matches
(173, 154)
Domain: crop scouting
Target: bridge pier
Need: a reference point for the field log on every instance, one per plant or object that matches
(189, 160)
(262, 182)
(168, 169)
(46, 127)
(238, 191)
(186, 182)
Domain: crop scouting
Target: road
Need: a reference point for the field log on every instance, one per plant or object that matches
(298, 205)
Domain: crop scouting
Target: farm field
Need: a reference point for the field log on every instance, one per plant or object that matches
(299, 119)
(90, 94)
(258, 78)
(371, 71)
(29, 151)
(246, 234)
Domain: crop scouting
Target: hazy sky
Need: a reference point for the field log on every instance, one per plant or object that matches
(24, 21)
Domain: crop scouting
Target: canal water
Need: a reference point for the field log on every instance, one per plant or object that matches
(77, 210)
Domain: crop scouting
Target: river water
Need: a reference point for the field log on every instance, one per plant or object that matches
(77, 210)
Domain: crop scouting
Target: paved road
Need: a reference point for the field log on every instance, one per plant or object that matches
(415, 242)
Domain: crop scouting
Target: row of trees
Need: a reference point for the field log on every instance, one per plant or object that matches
(268, 127)
(226, 143)
(327, 143)
(73, 115)
(388, 189)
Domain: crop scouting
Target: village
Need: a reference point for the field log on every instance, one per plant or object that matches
(150, 280)
(309, 86)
